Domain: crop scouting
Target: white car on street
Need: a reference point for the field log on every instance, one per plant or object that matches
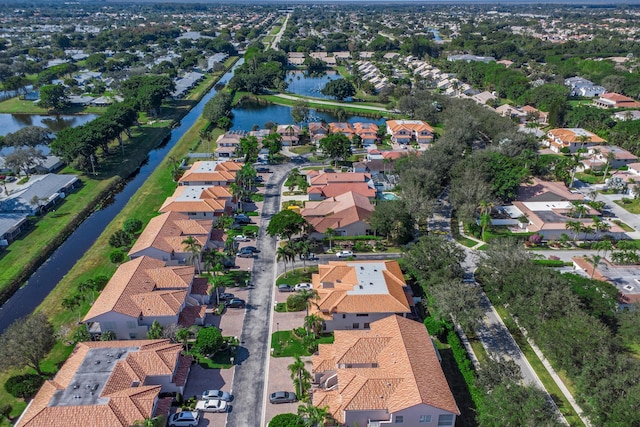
(344, 254)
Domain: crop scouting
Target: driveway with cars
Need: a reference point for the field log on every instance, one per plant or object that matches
(254, 351)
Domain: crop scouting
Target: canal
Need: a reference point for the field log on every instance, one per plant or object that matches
(45, 278)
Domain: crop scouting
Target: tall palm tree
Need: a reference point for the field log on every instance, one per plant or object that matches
(314, 416)
(329, 233)
(604, 246)
(594, 260)
(610, 158)
(300, 376)
(282, 254)
(183, 335)
(158, 421)
(575, 227)
(303, 248)
(308, 296)
(313, 323)
(213, 263)
(194, 247)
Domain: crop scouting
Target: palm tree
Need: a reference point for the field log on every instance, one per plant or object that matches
(575, 226)
(282, 254)
(329, 233)
(604, 246)
(300, 376)
(578, 209)
(308, 296)
(194, 247)
(314, 416)
(183, 335)
(485, 215)
(610, 158)
(303, 248)
(594, 260)
(213, 263)
(158, 421)
(313, 323)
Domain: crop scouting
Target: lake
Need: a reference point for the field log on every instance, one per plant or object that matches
(301, 83)
(249, 113)
(10, 123)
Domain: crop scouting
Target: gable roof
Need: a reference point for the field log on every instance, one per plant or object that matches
(144, 286)
(126, 395)
(407, 371)
(211, 171)
(539, 190)
(411, 125)
(194, 198)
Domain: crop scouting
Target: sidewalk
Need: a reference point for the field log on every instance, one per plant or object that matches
(461, 232)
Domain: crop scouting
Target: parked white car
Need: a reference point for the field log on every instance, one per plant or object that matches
(303, 287)
(241, 238)
(184, 419)
(344, 254)
(211, 405)
(219, 394)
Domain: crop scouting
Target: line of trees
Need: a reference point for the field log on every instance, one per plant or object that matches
(79, 146)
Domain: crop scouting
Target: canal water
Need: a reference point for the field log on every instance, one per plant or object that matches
(43, 280)
(302, 83)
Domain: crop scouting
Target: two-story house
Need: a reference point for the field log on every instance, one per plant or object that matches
(227, 144)
(163, 238)
(144, 290)
(346, 214)
(200, 202)
(353, 294)
(110, 383)
(389, 374)
(368, 133)
(208, 173)
(406, 131)
(572, 139)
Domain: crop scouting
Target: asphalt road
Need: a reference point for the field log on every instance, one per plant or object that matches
(249, 378)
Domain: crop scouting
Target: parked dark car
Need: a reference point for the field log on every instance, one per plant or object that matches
(245, 254)
(250, 249)
(226, 296)
(285, 288)
(263, 170)
(282, 397)
(235, 303)
(242, 219)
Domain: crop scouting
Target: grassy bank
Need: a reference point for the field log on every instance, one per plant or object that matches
(349, 108)
(143, 205)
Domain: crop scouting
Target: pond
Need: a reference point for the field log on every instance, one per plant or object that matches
(301, 83)
(249, 113)
(10, 123)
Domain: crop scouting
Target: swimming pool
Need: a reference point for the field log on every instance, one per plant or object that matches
(389, 196)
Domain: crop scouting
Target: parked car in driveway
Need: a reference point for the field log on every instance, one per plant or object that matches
(241, 238)
(224, 297)
(285, 288)
(282, 397)
(309, 257)
(250, 248)
(245, 254)
(242, 219)
(211, 405)
(263, 170)
(217, 394)
(344, 254)
(235, 303)
(303, 287)
(184, 419)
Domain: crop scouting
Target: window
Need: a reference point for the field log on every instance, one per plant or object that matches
(108, 326)
(362, 315)
(132, 336)
(445, 420)
(356, 326)
(131, 324)
(425, 418)
(344, 316)
(399, 419)
(192, 213)
(367, 326)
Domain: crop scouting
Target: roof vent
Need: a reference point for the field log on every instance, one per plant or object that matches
(371, 283)
(135, 383)
(361, 287)
(375, 269)
(361, 267)
(338, 280)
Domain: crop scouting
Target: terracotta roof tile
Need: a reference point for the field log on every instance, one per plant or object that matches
(400, 370)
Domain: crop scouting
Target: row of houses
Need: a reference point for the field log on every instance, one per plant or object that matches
(19, 201)
(157, 284)
(372, 74)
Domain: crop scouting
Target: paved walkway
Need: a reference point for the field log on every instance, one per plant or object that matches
(333, 103)
(278, 37)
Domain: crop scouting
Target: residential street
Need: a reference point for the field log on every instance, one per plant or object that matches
(253, 355)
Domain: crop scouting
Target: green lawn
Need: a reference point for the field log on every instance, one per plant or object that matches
(303, 149)
(633, 207)
(589, 178)
(349, 108)
(623, 225)
(286, 344)
(19, 106)
(296, 276)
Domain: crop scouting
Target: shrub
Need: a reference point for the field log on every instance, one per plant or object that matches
(362, 247)
(81, 335)
(132, 225)
(5, 410)
(286, 420)
(436, 328)
(465, 367)
(627, 201)
(23, 386)
(549, 262)
(120, 239)
(116, 256)
(535, 239)
(295, 302)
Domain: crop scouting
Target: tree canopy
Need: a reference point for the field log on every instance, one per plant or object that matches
(339, 89)
(26, 342)
(285, 224)
(336, 146)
